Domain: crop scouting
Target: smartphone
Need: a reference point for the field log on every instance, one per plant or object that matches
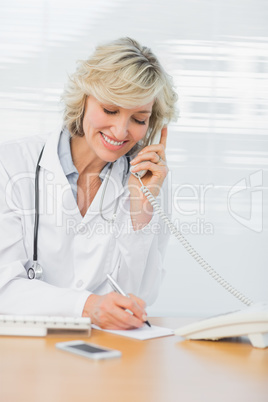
(88, 350)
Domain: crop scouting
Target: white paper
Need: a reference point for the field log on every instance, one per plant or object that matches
(142, 333)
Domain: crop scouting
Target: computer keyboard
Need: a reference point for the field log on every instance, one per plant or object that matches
(19, 325)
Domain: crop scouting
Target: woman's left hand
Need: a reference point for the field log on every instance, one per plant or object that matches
(153, 159)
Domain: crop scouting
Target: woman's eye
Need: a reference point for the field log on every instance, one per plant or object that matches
(109, 111)
(140, 121)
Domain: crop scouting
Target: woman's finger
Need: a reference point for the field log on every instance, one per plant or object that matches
(148, 156)
(164, 134)
(156, 168)
(159, 148)
(119, 318)
(130, 304)
(138, 300)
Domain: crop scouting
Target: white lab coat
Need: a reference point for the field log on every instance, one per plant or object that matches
(75, 252)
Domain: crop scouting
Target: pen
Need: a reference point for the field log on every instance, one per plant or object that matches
(117, 289)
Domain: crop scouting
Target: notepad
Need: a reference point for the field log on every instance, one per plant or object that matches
(142, 333)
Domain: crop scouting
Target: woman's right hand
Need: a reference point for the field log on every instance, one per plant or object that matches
(109, 311)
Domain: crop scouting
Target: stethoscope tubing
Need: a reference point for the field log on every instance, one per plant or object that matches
(36, 219)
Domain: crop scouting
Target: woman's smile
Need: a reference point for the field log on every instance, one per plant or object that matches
(111, 143)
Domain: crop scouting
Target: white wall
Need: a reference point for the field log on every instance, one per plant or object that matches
(217, 52)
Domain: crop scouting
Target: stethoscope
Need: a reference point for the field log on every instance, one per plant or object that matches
(36, 271)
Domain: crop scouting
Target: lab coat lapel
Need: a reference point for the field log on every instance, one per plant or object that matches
(107, 198)
(54, 178)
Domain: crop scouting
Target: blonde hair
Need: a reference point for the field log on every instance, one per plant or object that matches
(125, 74)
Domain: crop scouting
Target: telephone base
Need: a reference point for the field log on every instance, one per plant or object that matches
(259, 340)
(251, 322)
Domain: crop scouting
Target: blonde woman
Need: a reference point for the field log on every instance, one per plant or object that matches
(93, 219)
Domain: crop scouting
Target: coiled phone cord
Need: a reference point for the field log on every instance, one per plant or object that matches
(226, 285)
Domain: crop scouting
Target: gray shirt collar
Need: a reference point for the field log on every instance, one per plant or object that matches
(65, 156)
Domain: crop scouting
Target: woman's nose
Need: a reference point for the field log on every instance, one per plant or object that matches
(120, 129)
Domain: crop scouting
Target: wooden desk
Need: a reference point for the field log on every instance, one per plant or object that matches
(158, 370)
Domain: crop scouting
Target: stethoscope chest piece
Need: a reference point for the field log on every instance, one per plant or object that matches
(35, 272)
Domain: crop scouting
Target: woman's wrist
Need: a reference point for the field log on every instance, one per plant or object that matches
(141, 211)
(90, 302)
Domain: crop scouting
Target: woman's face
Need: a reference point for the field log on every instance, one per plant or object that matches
(111, 131)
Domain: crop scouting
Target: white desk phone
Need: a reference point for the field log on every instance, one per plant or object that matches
(251, 322)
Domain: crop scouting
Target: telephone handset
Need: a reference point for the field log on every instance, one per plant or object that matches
(261, 335)
(155, 140)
